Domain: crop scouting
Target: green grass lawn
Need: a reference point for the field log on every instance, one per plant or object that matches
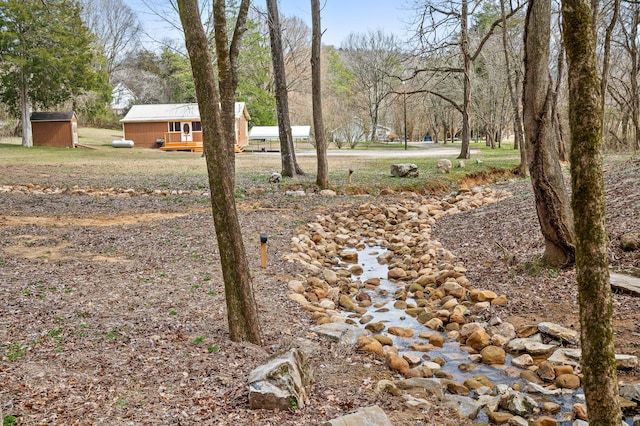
(105, 166)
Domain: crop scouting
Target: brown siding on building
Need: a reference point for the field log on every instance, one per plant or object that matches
(243, 133)
(144, 135)
(177, 137)
(145, 124)
(58, 134)
(173, 137)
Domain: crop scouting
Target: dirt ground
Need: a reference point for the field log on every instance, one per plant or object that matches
(112, 307)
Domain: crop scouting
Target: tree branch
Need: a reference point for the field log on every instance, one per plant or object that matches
(238, 32)
(494, 25)
(435, 69)
(434, 93)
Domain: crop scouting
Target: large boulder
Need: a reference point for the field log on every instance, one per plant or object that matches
(404, 170)
(444, 166)
(282, 383)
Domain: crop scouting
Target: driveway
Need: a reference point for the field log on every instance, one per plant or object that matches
(425, 151)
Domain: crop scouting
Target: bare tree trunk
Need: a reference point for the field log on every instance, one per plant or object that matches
(322, 178)
(518, 141)
(588, 201)
(552, 201)
(557, 123)
(227, 54)
(606, 55)
(287, 151)
(558, 129)
(374, 124)
(633, 78)
(523, 167)
(465, 151)
(25, 110)
(242, 312)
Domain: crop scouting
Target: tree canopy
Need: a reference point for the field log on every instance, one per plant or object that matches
(255, 78)
(46, 56)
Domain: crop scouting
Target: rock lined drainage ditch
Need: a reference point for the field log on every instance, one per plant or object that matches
(378, 280)
(30, 188)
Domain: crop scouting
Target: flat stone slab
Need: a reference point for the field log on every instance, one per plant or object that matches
(625, 283)
(560, 332)
(566, 356)
(344, 333)
(626, 362)
(530, 345)
(630, 391)
(535, 388)
(368, 416)
(466, 407)
(430, 385)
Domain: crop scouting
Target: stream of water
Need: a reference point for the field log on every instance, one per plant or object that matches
(451, 351)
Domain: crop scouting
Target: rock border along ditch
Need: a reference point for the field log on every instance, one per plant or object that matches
(544, 375)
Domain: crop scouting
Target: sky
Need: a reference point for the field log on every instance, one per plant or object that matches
(339, 17)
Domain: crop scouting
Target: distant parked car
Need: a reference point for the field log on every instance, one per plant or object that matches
(428, 138)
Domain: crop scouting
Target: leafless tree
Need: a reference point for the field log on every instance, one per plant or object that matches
(373, 60)
(552, 201)
(443, 25)
(491, 104)
(242, 311)
(166, 16)
(513, 67)
(117, 28)
(148, 87)
(297, 40)
(322, 177)
(296, 48)
(290, 166)
(623, 87)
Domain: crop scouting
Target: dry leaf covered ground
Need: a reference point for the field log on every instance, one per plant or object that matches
(112, 306)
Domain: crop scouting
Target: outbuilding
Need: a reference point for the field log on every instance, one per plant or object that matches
(267, 138)
(56, 129)
(175, 126)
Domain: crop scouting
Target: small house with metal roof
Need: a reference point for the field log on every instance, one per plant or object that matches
(175, 126)
(56, 129)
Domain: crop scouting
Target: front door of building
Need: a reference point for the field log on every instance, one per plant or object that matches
(187, 135)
